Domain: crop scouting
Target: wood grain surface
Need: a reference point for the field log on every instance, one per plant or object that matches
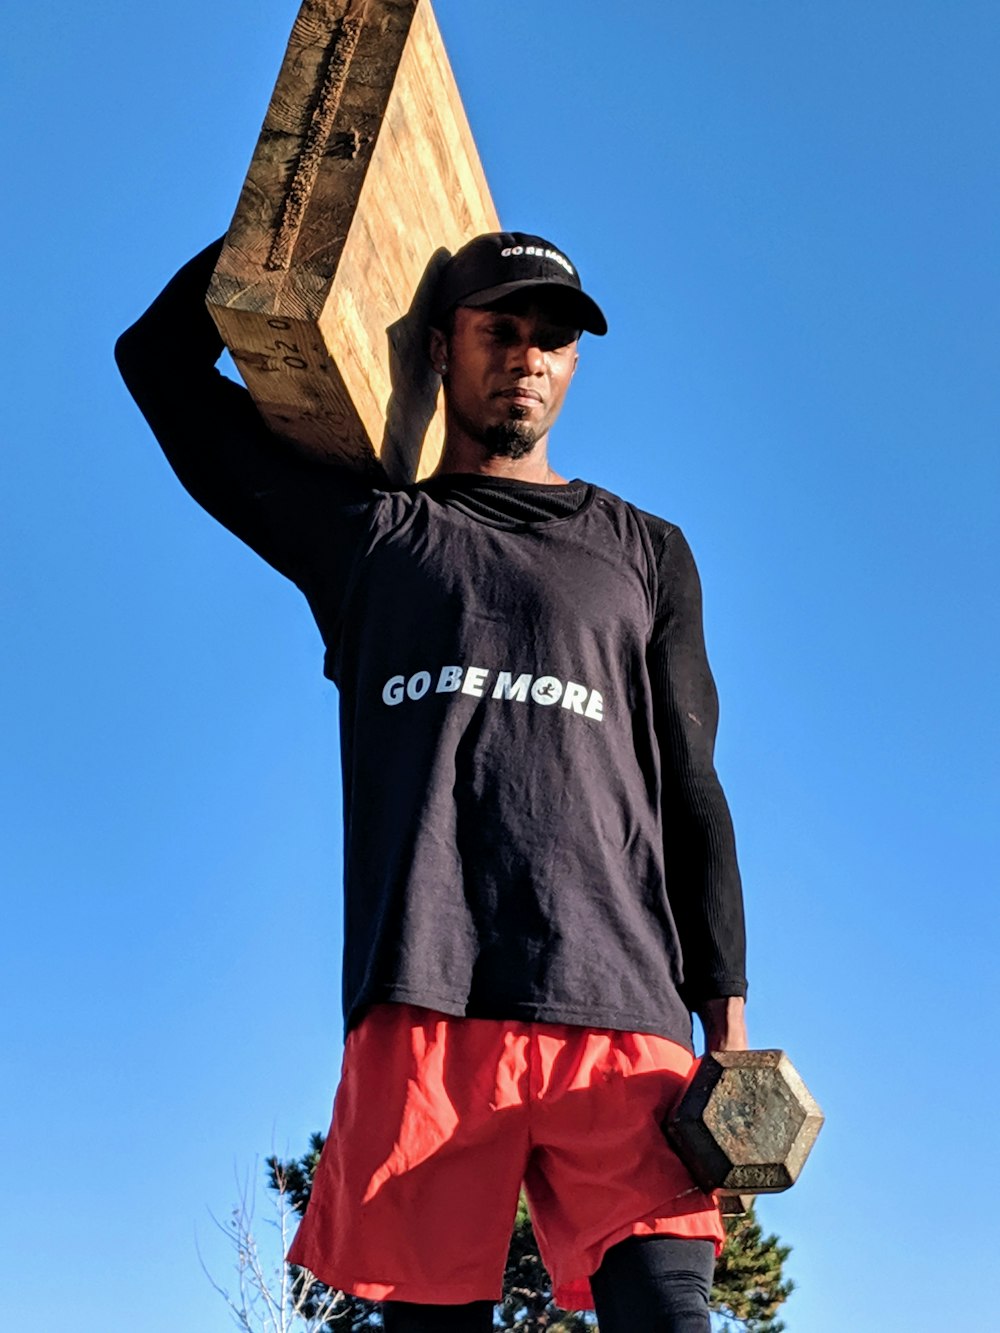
(364, 179)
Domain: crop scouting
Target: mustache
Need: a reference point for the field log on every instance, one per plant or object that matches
(513, 390)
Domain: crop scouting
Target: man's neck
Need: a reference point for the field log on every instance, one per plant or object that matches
(468, 456)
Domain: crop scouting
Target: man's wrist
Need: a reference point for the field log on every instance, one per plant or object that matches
(723, 1021)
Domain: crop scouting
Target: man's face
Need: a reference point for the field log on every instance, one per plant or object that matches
(509, 367)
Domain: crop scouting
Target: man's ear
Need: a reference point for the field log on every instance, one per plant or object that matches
(437, 349)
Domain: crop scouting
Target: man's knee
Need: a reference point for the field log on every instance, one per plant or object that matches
(659, 1283)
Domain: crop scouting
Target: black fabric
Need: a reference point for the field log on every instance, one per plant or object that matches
(504, 857)
(657, 1284)
(503, 842)
(645, 1284)
(407, 1317)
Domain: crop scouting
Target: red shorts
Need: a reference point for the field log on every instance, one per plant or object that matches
(438, 1120)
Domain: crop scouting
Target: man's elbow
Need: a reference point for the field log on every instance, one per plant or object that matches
(140, 365)
(127, 353)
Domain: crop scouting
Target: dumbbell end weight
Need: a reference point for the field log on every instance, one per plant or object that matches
(745, 1123)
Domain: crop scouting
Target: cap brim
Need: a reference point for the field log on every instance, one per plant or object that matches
(587, 314)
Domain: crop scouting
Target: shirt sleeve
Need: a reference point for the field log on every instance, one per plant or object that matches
(703, 878)
(303, 516)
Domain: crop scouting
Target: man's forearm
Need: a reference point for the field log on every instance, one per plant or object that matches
(174, 340)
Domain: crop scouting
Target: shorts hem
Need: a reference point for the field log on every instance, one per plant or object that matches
(419, 1293)
(574, 1294)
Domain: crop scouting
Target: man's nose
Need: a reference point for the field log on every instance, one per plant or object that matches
(528, 357)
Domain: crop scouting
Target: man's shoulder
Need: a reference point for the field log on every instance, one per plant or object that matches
(658, 529)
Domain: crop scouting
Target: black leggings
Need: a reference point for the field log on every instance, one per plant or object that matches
(655, 1284)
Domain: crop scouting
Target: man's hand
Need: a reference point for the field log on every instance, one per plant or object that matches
(724, 1023)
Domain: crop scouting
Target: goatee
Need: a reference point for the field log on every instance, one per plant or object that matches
(510, 439)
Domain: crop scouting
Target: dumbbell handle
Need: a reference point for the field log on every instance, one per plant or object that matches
(732, 1204)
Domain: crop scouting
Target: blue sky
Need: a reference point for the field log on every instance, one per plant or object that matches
(789, 212)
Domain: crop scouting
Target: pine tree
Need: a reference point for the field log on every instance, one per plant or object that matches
(747, 1291)
(749, 1286)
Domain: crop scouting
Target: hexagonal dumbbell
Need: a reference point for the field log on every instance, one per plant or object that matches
(744, 1125)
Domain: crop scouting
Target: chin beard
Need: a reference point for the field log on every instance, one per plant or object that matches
(510, 439)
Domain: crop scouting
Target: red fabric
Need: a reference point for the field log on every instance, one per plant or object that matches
(436, 1122)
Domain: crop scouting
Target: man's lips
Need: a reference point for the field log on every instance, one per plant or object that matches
(518, 395)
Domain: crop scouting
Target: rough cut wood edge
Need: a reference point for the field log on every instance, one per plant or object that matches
(365, 392)
(243, 279)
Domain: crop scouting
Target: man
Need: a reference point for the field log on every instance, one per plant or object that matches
(540, 876)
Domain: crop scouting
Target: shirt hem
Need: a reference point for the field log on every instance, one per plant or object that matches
(522, 1011)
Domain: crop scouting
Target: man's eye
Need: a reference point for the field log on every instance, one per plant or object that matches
(549, 340)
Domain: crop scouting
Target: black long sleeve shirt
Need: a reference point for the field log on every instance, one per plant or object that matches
(534, 825)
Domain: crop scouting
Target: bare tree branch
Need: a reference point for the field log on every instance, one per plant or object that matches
(266, 1301)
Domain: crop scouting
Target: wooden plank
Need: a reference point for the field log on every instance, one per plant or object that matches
(365, 177)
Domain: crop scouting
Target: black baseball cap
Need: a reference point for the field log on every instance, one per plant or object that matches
(498, 263)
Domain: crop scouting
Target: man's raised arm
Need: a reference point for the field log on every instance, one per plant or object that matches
(281, 504)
